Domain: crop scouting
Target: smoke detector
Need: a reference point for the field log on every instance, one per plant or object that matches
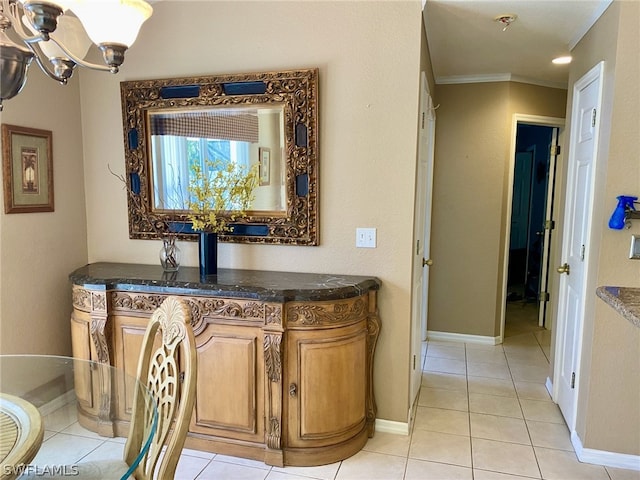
(506, 19)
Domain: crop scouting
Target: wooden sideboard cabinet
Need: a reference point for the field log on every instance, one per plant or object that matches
(285, 360)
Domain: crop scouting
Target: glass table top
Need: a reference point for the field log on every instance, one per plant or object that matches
(40, 394)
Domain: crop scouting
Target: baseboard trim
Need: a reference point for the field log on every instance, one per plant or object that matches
(57, 403)
(602, 457)
(388, 426)
(462, 338)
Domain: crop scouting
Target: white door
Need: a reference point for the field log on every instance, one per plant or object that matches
(587, 94)
(421, 236)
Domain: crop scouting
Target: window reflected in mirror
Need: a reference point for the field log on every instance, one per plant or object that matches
(217, 136)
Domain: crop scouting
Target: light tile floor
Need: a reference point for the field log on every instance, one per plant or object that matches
(483, 413)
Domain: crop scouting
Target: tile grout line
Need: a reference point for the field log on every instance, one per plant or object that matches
(466, 370)
(526, 425)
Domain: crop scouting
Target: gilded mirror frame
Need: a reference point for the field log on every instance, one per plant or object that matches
(296, 90)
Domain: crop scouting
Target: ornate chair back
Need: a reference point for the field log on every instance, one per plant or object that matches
(169, 372)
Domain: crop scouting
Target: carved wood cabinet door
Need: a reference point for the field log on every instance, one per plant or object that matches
(230, 387)
(326, 376)
(128, 333)
(85, 385)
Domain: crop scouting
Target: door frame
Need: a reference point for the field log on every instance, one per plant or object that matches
(545, 280)
(530, 120)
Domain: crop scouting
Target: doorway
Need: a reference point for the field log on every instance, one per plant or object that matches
(531, 225)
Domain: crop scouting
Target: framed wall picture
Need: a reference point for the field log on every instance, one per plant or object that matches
(265, 166)
(27, 165)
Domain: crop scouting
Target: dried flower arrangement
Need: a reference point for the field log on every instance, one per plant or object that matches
(219, 194)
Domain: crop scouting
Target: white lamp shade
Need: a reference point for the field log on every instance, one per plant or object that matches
(70, 33)
(112, 21)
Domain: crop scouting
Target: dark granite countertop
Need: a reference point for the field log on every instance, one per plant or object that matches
(625, 300)
(258, 284)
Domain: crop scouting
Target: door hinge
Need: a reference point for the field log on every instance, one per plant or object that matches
(418, 247)
(423, 114)
(573, 380)
(593, 118)
(582, 253)
(549, 224)
(414, 362)
(543, 296)
(555, 150)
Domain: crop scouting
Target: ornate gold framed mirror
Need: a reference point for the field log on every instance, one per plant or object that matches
(267, 120)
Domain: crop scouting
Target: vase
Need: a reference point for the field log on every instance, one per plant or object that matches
(170, 254)
(208, 249)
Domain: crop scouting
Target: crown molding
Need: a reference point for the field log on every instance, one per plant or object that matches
(500, 77)
(587, 26)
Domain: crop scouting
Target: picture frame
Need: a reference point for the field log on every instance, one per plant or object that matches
(264, 170)
(27, 163)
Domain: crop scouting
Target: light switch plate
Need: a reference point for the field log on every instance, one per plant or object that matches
(366, 237)
(635, 247)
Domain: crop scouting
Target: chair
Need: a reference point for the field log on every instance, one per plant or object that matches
(173, 392)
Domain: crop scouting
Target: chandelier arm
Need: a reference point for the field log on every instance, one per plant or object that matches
(41, 37)
(10, 10)
(29, 40)
(44, 66)
(77, 60)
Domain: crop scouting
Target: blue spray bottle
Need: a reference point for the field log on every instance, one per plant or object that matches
(617, 219)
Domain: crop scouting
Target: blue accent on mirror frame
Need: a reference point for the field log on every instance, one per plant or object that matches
(134, 179)
(302, 185)
(132, 138)
(180, 227)
(244, 88)
(250, 230)
(301, 135)
(180, 91)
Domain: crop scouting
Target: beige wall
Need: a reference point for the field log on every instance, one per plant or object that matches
(609, 381)
(369, 59)
(39, 250)
(610, 418)
(473, 135)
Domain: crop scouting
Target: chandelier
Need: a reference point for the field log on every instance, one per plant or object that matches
(53, 32)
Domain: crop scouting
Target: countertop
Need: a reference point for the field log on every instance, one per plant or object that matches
(625, 300)
(262, 285)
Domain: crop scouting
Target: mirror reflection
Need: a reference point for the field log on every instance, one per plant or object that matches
(247, 137)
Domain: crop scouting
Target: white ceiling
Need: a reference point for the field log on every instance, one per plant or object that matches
(467, 44)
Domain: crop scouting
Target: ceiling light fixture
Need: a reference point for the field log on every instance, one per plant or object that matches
(112, 25)
(506, 19)
(562, 60)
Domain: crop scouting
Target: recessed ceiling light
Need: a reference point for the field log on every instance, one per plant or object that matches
(562, 60)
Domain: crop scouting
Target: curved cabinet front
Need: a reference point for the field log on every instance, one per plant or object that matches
(284, 374)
